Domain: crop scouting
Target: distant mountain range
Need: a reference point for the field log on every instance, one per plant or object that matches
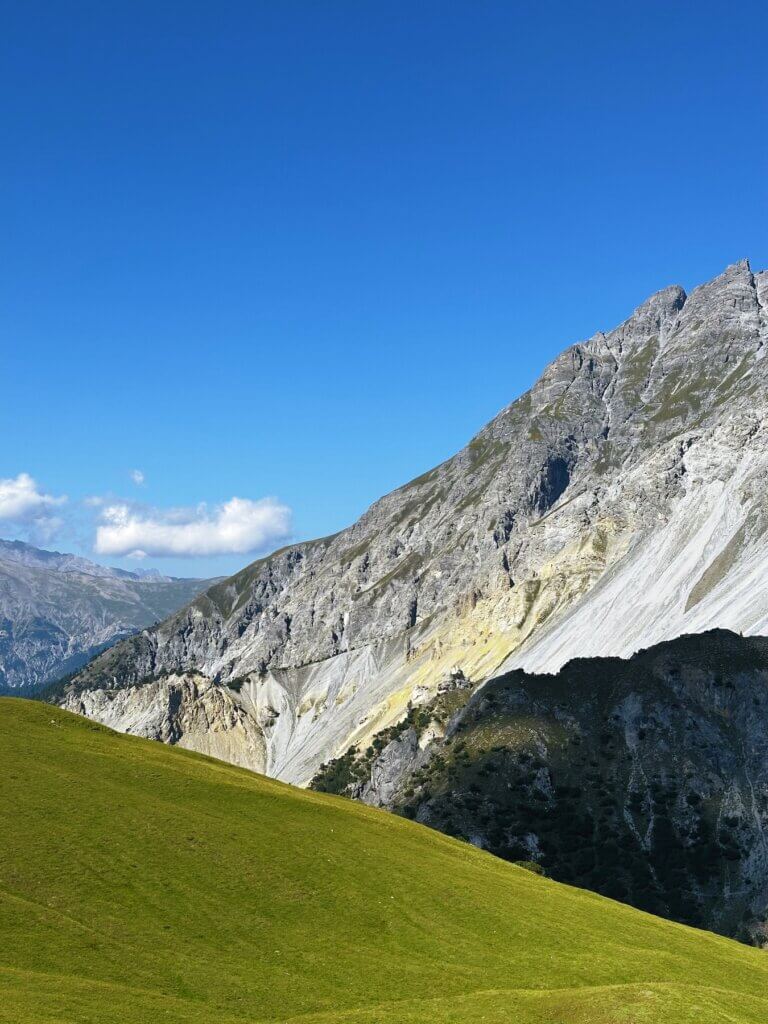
(58, 610)
(618, 503)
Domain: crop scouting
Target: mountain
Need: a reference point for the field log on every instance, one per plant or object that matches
(644, 779)
(618, 503)
(140, 883)
(57, 611)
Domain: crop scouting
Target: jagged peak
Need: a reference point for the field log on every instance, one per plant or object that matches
(671, 299)
(655, 318)
(673, 296)
(657, 309)
(738, 271)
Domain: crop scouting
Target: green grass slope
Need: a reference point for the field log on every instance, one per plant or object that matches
(142, 883)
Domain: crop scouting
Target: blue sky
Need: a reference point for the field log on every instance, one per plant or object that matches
(304, 250)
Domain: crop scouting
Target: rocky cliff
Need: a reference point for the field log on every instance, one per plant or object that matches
(644, 779)
(617, 503)
(58, 610)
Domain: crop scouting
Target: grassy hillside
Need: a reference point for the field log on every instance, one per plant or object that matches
(141, 883)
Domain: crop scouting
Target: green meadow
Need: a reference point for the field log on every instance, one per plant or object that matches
(142, 883)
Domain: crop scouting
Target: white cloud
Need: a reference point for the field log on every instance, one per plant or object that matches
(137, 475)
(45, 529)
(22, 501)
(239, 526)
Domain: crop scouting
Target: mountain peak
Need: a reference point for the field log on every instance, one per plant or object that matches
(670, 299)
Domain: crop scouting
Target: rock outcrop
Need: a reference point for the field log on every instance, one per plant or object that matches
(618, 503)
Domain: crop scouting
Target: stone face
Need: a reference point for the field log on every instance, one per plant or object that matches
(617, 503)
(57, 611)
(645, 780)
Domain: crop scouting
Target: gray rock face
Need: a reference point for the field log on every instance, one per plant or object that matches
(645, 780)
(617, 503)
(57, 611)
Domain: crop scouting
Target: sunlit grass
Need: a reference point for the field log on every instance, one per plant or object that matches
(142, 883)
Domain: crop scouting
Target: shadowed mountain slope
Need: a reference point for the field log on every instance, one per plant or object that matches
(645, 780)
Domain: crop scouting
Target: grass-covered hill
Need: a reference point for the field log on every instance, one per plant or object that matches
(141, 883)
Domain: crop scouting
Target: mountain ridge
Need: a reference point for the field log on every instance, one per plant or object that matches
(630, 446)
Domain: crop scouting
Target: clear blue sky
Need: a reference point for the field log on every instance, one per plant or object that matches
(306, 249)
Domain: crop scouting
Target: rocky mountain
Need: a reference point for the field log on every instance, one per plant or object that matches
(58, 610)
(645, 779)
(618, 503)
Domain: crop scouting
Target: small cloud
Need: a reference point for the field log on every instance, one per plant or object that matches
(239, 526)
(93, 501)
(137, 475)
(22, 501)
(45, 529)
